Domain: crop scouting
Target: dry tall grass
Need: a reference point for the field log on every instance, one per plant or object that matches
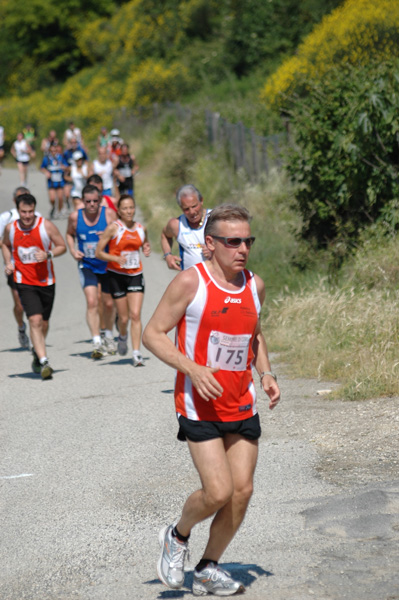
(346, 335)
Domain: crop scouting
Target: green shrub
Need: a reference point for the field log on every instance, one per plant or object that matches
(346, 155)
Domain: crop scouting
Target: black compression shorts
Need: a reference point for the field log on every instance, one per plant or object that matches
(200, 431)
(37, 299)
(120, 285)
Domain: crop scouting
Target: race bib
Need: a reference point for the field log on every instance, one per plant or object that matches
(126, 171)
(56, 176)
(132, 259)
(229, 352)
(27, 255)
(89, 249)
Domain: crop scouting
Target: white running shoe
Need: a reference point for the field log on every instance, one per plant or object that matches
(216, 581)
(109, 345)
(170, 567)
(138, 360)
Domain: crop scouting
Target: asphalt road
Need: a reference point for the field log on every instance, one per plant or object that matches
(90, 470)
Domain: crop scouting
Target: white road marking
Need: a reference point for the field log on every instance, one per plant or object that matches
(16, 476)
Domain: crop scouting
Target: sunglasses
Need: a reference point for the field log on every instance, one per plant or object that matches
(235, 242)
(92, 201)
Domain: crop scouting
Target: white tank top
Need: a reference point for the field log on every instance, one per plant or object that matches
(21, 150)
(190, 242)
(79, 180)
(105, 171)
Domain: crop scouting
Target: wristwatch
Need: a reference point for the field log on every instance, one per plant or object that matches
(267, 373)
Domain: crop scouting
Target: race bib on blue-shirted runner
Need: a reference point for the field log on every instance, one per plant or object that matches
(229, 352)
(89, 249)
(56, 176)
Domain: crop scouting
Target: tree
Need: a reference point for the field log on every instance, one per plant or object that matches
(346, 159)
(261, 32)
(44, 31)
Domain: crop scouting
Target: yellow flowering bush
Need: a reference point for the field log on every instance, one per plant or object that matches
(156, 81)
(352, 34)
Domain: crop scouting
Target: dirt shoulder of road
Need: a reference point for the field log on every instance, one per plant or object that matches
(357, 441)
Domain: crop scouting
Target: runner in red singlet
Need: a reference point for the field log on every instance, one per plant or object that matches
(124, 238)
(30, 243)
(215, 306)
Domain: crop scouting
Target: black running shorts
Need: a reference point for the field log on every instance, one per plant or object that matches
(200, 431)
(120, 285)
(11, 282)
(37, 299)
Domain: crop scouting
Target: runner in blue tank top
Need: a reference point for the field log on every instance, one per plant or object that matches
(54, 166)
(86, 226)
(87, 236)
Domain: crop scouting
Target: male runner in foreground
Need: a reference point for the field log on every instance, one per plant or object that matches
(215, 306)
(30, 243)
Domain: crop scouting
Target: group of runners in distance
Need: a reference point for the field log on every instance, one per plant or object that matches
(214, 303)
(67, 168)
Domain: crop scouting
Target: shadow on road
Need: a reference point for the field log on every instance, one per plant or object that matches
(246, 573)
(32, 375)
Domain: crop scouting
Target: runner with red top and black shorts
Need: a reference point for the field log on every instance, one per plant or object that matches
(125, 237)
(30, 243)
(215, 307)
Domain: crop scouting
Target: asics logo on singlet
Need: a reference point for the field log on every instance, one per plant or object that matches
(232, 300)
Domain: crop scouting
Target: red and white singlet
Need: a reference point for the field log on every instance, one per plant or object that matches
(127, 242)
(25, 243)
(110, 204)
(217, 329)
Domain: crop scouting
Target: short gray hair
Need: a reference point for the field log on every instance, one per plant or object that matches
(226, 212)
(21, 189)
(187, 190)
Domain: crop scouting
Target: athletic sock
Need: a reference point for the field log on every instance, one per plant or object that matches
(96, 339)
(108, 334)
(43, 360)
(123, 337)
(179, 536)
(204, 562)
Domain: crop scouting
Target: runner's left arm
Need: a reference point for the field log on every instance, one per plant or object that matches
(261, 355)
(58, 245)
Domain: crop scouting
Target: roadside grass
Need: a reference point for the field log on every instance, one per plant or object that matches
(349, 335)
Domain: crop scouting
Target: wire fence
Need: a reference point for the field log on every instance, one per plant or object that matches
(246, 150)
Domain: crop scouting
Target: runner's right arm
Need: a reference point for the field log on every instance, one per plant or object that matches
(71, 236)
(170, 310)
(169, 232)
(6, 250)
(106, 236)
